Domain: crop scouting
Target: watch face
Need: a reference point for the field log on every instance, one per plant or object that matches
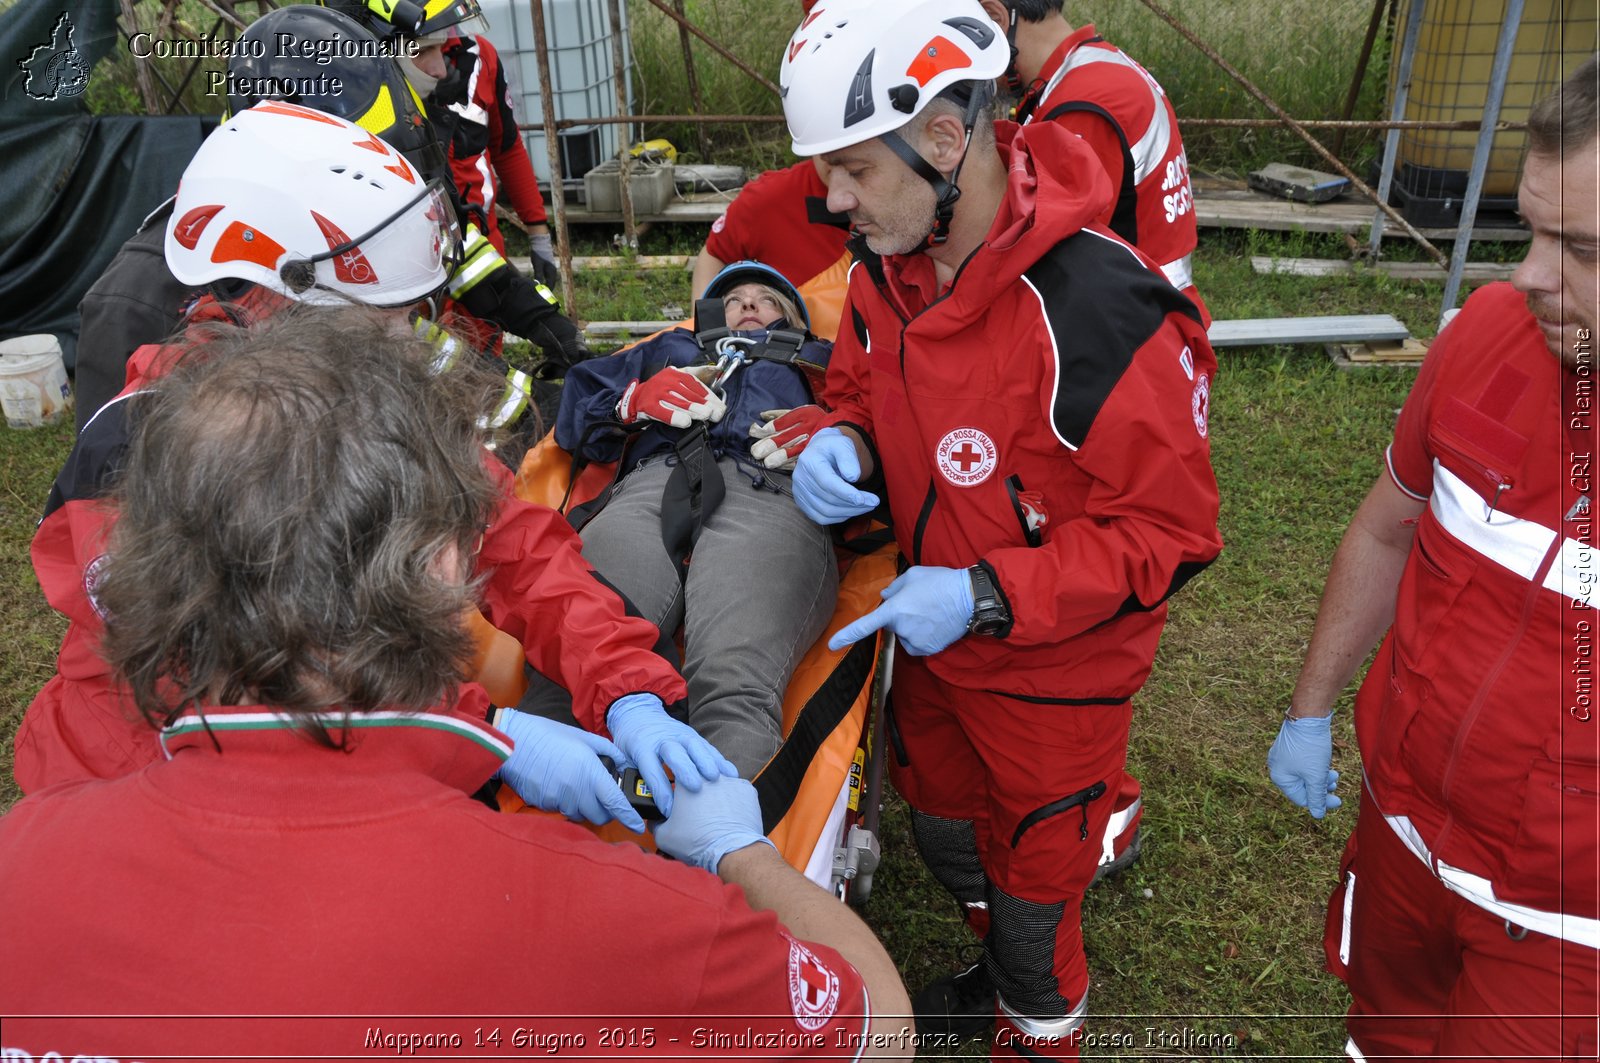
(987, 625)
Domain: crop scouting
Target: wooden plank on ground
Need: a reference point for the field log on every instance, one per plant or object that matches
(695, 208)
(1355, 328)
(1329, 267)
(1406, 353)
(1224, 204)
(1245, 332)
(620, 330)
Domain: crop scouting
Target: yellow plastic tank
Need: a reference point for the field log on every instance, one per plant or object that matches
(1450, 82)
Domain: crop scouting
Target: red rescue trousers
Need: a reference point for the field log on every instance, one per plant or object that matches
(1038, 782)
(1433, 976)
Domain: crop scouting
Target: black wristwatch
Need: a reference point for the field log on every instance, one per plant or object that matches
(989, 613)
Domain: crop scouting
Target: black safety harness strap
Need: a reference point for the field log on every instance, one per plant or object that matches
(584, 512)
(694, 491)
(778, 783)
(786, 346)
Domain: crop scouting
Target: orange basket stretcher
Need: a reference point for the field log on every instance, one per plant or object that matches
(821, 792)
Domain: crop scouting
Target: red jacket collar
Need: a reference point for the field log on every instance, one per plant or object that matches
(251, 760)
(1055, 187)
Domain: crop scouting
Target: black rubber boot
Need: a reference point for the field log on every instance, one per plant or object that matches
(961, 1004)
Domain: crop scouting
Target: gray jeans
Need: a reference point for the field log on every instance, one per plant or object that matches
(760, 589)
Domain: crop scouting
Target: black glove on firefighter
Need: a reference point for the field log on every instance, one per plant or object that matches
(561, 343)
(527, 308)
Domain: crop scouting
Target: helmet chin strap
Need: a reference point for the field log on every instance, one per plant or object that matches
(946, 191)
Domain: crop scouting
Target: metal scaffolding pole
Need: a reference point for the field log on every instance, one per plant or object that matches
(552, 143)
(694, 80)
(1397, 113)
(1480, 154)
(630, 230)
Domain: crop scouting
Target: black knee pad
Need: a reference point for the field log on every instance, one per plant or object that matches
(1022, 952)
(950, 849)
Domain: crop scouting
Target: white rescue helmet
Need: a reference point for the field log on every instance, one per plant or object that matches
(857, 69)
(313, 207)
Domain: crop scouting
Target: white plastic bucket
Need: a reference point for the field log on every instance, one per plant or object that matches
(33, 381)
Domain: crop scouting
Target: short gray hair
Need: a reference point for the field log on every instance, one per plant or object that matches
(1034, 10)
(289, 495)
(953, 101)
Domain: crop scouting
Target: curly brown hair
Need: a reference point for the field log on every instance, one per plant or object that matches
(297, 520)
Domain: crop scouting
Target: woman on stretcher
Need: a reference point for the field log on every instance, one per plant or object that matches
(699, 528)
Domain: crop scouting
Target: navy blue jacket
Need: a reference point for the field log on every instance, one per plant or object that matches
(594, 387)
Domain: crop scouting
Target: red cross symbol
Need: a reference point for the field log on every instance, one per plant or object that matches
(817, 983)
(966, 457)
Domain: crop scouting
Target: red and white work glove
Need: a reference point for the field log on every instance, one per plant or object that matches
(781, 435)
(678, 397)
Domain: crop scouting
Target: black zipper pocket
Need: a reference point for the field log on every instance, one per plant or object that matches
(1079, 800)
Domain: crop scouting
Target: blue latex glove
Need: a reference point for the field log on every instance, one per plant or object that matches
(712, 822)
(653, 740)
(557, 768)
(1298, 763)
(823, 479)
(927, 607)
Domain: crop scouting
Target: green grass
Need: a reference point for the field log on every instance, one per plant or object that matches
(1301, 53)
(1225, 269)
(756, 33)
(1228, 940)
(29, 459)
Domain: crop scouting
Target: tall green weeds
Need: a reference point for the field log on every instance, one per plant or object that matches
(1301, 53)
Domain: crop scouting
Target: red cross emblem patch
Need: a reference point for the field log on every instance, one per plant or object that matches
(813, 988)
(966, 456)
(1200, 405)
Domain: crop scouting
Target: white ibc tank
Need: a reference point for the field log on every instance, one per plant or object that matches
(578, 33)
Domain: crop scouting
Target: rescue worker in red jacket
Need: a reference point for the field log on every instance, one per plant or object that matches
(1076, 77)
(273, 197)
(307, 853)
(1029, 395)
(457, 72)
(1467, 919)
